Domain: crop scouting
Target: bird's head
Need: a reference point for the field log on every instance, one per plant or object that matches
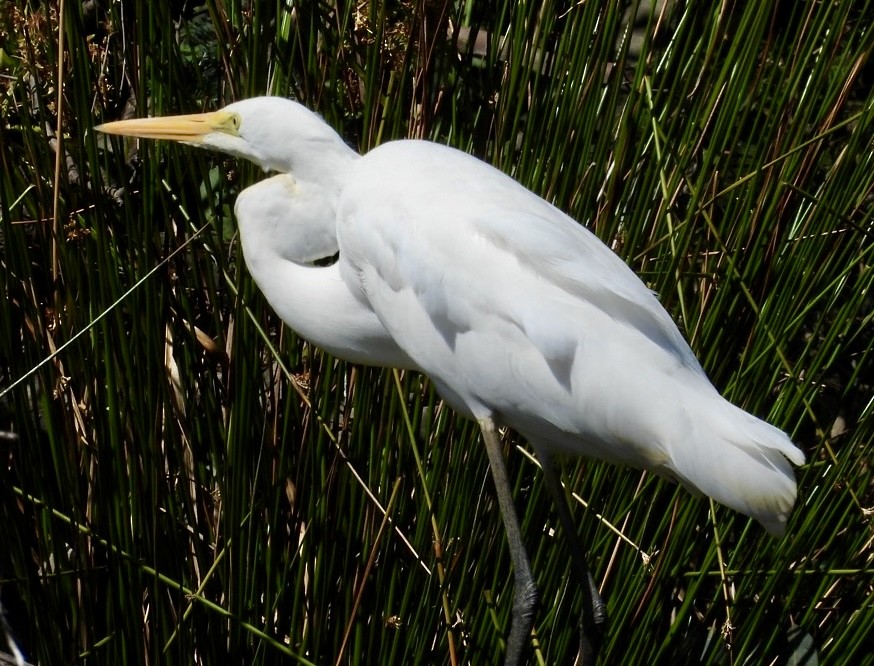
(273, 132)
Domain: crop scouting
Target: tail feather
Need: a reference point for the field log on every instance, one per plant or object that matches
(742, 462)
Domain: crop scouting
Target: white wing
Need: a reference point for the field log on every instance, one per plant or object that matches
(445, 248)
(517, 312)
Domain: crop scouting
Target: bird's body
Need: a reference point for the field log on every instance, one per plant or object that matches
(515, 311)
(518, 314)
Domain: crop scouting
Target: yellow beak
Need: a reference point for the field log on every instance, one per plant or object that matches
(189, 128)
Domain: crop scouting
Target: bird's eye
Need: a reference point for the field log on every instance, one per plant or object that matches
(227, 122)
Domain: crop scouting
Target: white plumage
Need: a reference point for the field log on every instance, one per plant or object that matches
(517, 313)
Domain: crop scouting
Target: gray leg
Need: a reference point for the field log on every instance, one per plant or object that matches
(525, 596)
(594, 610)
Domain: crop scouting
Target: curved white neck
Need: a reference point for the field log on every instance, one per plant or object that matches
(316, 303)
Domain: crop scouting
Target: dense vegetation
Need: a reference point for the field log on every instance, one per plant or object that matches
(182, 480)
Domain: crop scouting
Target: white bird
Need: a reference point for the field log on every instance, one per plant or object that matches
(518, 314)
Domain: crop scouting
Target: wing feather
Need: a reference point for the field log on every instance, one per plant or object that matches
(517, 312)
(467, 241)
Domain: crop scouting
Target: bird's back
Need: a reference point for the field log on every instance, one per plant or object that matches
(517, 312)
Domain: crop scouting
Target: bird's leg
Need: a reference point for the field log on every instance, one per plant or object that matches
(525, 595)
(594, 610)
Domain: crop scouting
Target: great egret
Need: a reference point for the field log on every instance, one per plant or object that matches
(519, 315)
